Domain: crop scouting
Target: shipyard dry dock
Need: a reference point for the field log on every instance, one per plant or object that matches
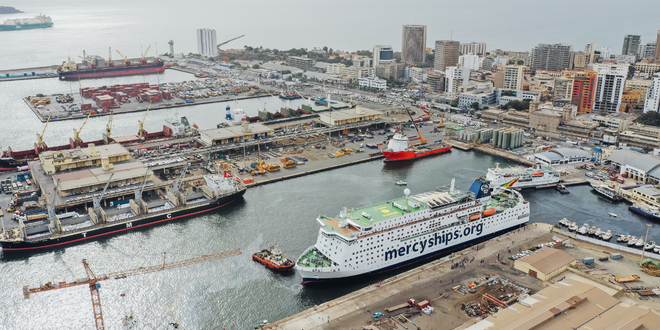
(436, 282)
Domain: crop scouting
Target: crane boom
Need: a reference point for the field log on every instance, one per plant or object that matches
(228, 41)
(145, 53)
(108, 128)
(412, 122)
(92, 280)
(86, 60)
(40, 137)
(177, 183)
(76, 133)
(141, 131)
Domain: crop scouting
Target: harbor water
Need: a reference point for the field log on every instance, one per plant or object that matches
(236, 293)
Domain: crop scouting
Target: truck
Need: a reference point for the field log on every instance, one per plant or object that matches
(20, 200)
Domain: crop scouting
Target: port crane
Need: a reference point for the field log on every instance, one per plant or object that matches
(76, 133)
(40, 137)
(412, 122)
(92, 280)
(141, 132)
(143, 61)
(91, 63)
(179, 181)
(228, 41)
(126, 61)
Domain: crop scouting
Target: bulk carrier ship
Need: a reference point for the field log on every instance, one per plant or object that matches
(520, 177)
(39, 232)
(407, 230)
(97, 67)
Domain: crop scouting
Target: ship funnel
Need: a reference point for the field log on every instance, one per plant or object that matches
(453, 185)
(406, 192)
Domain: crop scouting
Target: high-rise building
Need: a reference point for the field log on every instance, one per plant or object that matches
(610, 83)
(630, 43)
(207, 43)
(469, 61)
(455, 77)
(563, 89)
(653, 96)
(476, 48)
(413, 44)
(657, 47)
(646, 50)
(446, 54)
(513, 77)
(552, 57)
(605, 53)
(582, 94)
(578, 61)
(589, 49)
(436, 81)
(383, 54)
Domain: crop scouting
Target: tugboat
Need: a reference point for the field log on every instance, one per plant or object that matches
(274, 259)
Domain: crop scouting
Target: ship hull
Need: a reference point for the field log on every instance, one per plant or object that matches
(410, 262)
(395, 156)
(25, 26)
(112, 72)
(643, 213)
(10, 164)
(107, 231)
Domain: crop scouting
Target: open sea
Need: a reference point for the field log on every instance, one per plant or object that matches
(236, 293)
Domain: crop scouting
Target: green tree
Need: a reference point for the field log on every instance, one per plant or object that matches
(510, 62)
(520, 62)
(454, 104)
(256, 66)
(286, 72)
(347, 62)
(430, 58)
(651, 118)
(325, 49)
(475, 105)
(364, 53)
(507, 93)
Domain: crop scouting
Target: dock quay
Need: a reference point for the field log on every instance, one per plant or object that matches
(436, 281)
(503, 154)
(460, 145)
(29, 73)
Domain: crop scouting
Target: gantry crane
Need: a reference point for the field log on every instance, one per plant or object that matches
(93, 281)
(141, 132)
(226, 42)
(40, 137)
(76, 133)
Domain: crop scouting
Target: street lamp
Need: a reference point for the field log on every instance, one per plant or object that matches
(648, 225)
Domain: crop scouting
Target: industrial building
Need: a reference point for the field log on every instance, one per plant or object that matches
(61, 160)
(571, 304)
(301, 62)
(347, 116)
(635, 165)
(95, 179)
(207, 42)
(545, 263)
(235, 133)
(562, 156)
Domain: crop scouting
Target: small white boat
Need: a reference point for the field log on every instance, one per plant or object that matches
(611, 214)
(656, 249)
(632, 241)
(584, 229)
(401, 183)
(592, 231)
(607, 236)
(599, 232)
(626, 238)
(639, 243)
(573, 227)
(564, 222)
(649, 246)
(620, 238)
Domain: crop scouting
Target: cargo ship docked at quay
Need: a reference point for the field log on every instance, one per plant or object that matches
(407, 230)
(37, 22)
(97, 67)
(522, 177)
(399, 150)
(47, 231)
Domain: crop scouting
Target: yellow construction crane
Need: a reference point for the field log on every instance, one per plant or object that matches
(40, 137)
(93, 281)
(126, 61)
(141, 131)
(108, 128)
(145, 53)
(442, 122)
(412, 122)
(88, 61)
(76, 133)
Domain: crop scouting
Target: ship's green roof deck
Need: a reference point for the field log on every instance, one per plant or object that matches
(378, 212)
(314, 259)
(501, 202)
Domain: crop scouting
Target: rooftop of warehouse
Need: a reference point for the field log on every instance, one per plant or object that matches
(236, 131)
(97, 176)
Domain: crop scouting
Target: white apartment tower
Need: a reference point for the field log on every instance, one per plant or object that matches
(207, 42)
(469, 61)
(610, 83)
(513, 77)
(455, 77)
(652, 102)
(476, 48)
(605, 53)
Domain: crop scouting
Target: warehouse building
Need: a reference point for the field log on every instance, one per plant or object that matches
(571, 304)
(347, 116)
(61, 160)
(234, 134)
(545, 264)
(95, 179)
(635, 165)
(561, 156)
